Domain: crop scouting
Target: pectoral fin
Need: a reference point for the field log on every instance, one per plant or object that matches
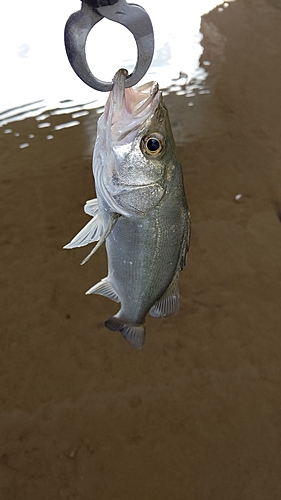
(104, 235)
(90, 233)
(93, 229)
(169, 303)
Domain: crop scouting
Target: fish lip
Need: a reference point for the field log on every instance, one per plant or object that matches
(118, 91)
(153, 89)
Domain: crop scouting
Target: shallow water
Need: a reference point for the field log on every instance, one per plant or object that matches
(36, 77)
(195, 414)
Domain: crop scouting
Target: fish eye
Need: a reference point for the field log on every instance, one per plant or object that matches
(153, 144)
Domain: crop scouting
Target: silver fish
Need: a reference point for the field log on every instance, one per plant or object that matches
(140, 212)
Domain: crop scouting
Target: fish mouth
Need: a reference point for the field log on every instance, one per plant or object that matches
(118, 92)
(128, 108)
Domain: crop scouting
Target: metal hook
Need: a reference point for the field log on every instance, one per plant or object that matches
(132, 16)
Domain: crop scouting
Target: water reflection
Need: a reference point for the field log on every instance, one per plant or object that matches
(38, 78)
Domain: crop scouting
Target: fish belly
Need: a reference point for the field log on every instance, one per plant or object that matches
(143, 256)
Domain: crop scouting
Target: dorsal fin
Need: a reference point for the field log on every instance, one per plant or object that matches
(169, 303)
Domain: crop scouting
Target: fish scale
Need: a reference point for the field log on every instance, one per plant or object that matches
(154, 251)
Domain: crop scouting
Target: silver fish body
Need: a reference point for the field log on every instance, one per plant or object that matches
(141, 210)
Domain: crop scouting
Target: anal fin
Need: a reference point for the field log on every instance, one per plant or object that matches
(105, 288)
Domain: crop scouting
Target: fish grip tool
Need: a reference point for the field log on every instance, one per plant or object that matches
(132, 16)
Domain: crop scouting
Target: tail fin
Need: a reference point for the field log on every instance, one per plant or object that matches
(135, 334)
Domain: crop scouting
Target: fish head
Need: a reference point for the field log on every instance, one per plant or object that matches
(134, 142)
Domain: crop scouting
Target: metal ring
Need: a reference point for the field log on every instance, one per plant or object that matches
(132, 16)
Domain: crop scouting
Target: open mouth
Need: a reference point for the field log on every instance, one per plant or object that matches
(139, 99)
(128, 108)
(133, 101)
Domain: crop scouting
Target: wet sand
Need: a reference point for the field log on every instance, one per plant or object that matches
(197, 413)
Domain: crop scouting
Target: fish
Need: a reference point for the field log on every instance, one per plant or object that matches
(140, 211)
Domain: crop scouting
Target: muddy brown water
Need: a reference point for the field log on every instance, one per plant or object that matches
(197, 413)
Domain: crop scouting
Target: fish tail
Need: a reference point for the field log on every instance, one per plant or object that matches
(135, 334)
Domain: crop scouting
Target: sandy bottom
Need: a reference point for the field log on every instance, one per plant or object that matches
(197, 413)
